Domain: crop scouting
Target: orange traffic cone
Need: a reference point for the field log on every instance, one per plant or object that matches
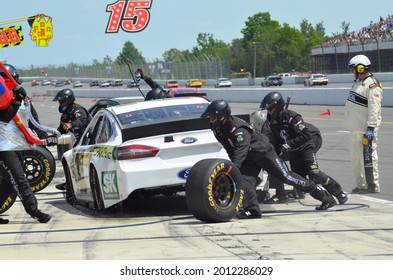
(325, 112)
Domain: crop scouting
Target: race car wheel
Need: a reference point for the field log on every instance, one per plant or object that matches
(96, 190)
(6, 201)
(70, 192)
(213, 192)
(39, 166)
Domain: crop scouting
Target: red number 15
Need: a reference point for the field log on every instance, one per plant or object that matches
(130, 15)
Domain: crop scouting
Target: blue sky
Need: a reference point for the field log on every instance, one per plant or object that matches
(79, 25)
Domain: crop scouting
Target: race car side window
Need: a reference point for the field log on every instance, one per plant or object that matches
(86, 138)
(94, 133)
(105, 133)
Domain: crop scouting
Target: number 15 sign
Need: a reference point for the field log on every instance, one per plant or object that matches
(130, 15)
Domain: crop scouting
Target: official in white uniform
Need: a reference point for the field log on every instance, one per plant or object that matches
(363, 118)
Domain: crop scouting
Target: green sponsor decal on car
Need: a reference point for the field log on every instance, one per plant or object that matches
(110, 189)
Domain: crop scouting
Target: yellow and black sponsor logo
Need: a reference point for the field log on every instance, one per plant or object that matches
(6, 204)
(45, 180)
(239, 204)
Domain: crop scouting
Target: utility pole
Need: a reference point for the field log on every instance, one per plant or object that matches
(254, 45)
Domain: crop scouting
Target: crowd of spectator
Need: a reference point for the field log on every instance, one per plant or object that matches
(374, 32)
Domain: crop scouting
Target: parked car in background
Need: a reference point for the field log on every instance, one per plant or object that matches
(272, 81)
(117, 83)
(35, 83)
(66, 82)
(194, 83)
(171, 84)
(316, 79)
(77, 84)
(223, 82)
(186, 92)
(45, 83)
(132, 84)
(57, 83)
(104, 83)
(94, 83)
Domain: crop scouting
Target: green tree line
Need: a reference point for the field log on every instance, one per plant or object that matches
(266, 44)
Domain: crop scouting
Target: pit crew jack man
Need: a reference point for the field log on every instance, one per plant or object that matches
(362, 118)
(251, 151)
(291, 135)
(11, 169)
(156, 92)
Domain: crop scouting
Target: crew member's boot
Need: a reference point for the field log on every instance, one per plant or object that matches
(41, 217)
(324, 196)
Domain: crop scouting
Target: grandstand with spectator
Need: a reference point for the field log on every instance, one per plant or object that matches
(374, 40)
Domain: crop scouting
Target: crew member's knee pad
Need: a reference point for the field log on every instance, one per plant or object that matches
(318, 177)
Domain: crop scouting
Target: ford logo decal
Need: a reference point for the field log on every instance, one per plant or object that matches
(183, 174)
(189, 140)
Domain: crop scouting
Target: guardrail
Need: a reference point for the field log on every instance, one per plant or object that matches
(306, 95)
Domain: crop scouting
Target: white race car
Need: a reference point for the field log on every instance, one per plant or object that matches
(146, 146)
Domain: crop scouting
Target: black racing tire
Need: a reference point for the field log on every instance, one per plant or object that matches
(213, 190)
(6, 201)
(39, 166)
(70, 192)
(96, 190)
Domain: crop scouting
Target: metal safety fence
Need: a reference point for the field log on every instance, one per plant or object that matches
(161, 70)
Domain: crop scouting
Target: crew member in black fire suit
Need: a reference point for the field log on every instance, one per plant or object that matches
(74, 118)
(11, 168)
(290, 134)
(156, 92)
(251, 151)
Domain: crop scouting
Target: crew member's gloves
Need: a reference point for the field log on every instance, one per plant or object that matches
(19, 93)
(41, 134)
(139, 74)
(370, 133)
(51, 141)
(67, 126)
(285, 148)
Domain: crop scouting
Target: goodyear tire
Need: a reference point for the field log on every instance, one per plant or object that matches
(6, 201)
(213, 192)
(96, 190)
(39, 166)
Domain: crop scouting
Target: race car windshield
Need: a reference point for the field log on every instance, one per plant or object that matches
(162, 114)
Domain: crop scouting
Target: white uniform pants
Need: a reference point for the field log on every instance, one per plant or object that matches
(357, 158)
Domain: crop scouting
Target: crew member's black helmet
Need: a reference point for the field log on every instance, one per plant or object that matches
(273, 100)
(155, 93)
(66, 95)
(218, 108)
(12, 71)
